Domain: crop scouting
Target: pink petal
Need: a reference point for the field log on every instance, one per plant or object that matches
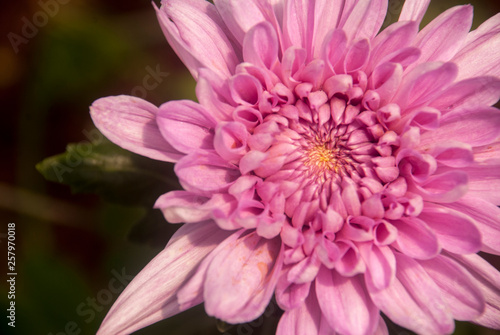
(357, 56)
(187, 125)
(346, 303)
(289, 295)
(245, 89)
(191, 293)
(423, 83)
(182, 206)
(241, 279)
(480, 128)
(486, 278)
(392, 39)
(487, 218)
(385, 80)
(196, 32)
(151, 296)
(333, 51)
(130, 123)
(260, 46)
(205, 172)
(455, 231)
(239, 16)
(326, 16)
(413, 300)
(365, 19)
(446, 187)
(303, 320)
(469, 93)
(230, 140)
(213, 95)
(414, 10)
(485, 42)
(453, 154)
(298, 23)
(441, 39)
(484, 182)
(416, 239)
(380, 263)
(459, 291)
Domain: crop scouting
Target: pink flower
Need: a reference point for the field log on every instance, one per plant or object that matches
(347, 172)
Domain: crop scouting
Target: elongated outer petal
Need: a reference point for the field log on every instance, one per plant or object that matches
(414, 10)
(486, 278)
(481, 127)
(380, 263)
(487, 218)
(151, 296)
(460, 293)
(191, 293)
(239, 16)
(197, 34)
(484, 182)
(456, 231)
(484, 41)
(424, 82)
(441, 39)
(365, 19)
(345, 303)
(413, 300)
(187, 125)
(130, 122)
(241, 279)
(303, 320)
(472, 92)
(416, 239)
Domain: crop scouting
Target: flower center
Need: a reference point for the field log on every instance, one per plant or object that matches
(320, 158)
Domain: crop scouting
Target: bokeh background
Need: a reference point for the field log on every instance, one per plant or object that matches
(74, 252)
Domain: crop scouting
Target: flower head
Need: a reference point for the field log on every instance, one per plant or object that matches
(344, 170)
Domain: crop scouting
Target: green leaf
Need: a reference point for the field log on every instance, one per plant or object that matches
(117, 175)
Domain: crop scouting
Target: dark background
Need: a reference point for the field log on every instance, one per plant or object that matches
(70, 246)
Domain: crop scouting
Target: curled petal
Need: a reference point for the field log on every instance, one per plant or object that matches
(260, 46)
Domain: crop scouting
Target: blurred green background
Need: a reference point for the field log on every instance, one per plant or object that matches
(55, 61)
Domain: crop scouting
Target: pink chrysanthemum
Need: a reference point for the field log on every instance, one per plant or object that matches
(345, 172)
